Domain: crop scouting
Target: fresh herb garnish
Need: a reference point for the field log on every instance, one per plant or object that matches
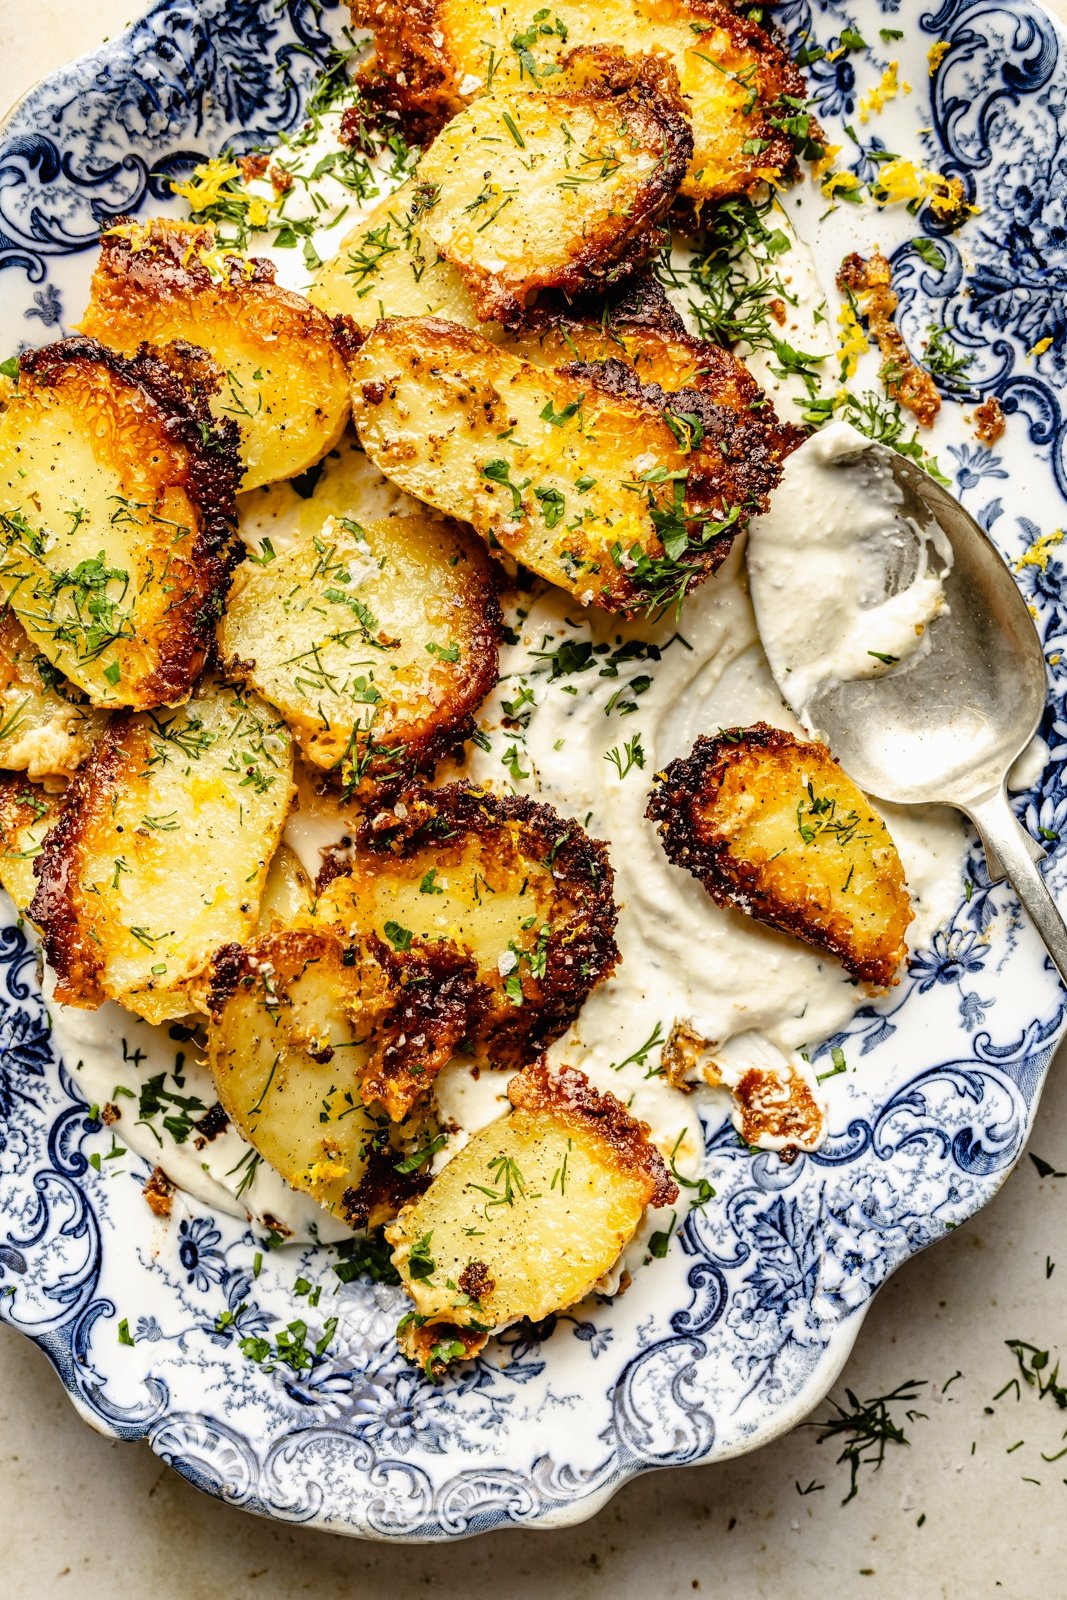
(868, 1428)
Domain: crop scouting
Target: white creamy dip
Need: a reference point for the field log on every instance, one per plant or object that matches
(844, 586)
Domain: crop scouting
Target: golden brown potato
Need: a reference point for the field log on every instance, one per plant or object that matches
(375, 641)
(657, 351)
(697, 386)
(26, 814)
(520, 887)
(387, 266)
(283, 377)
(772, 826)
(305, 1027)
(47, 728)
(526, 191)
(161, 852)
(526, 1218)
(602, 490)
(432, 57)
(116, 517)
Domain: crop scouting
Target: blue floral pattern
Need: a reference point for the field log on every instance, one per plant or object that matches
(178, 1332)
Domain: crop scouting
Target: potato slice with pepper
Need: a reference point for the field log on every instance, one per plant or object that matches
(161, 851)
(773, 826)
(387, 266)
(283, 375)
(526, 191)
(587, 480)
(306, 1029)
(375, 641)
(526, 1217)
(117, 517)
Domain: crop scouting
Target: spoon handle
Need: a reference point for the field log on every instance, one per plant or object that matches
(1012, 845)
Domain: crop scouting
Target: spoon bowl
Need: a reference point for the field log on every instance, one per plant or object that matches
(947, 724)
(950, 721)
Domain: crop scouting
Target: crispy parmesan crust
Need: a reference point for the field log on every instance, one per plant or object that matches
(642, 111)
(75, 958)
(382, 1190)
(869, 280)
(989, 422)
(765, 54)
(411, 73)
(568, 1096)
(433, 1345)
(438, 1002)
(738, 459)
(422, 1003)
(163, 394)
(580, 950)
(159, 1193)
(697, 834)
(769, 1108)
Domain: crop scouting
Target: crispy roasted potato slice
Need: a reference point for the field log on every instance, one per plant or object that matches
(116, 517)
(301, 1020)
(47, 728)
(375, 641)
(161, 852)
(667, 357)
(526, 1217)
(387, 266)
(591, 487)
(520, 887)
(773, 826)
(435, 56)
(27, 812)
(526, 191)
(283, 376)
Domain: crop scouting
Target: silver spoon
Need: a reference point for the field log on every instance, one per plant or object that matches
(947, 725)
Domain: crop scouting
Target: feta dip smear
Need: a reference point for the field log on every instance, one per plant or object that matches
(586, 711)
(844, 585)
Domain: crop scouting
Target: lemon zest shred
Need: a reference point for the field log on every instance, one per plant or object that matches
(1037, 553)
(208, 180)
(937, 53)
(207, 186)
(825, 161)
(852, 340)
(887, 88)
(1041, 346)
(901, 181)
(835, 182)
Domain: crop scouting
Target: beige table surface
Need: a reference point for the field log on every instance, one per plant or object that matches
(84, 1517)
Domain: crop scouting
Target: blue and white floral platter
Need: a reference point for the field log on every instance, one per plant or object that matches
(745, 1324)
